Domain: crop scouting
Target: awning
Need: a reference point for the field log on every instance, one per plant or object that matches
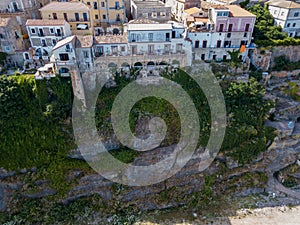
(82, 26)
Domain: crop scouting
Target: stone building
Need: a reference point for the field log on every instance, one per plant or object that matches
(11, 40)
(178, 7)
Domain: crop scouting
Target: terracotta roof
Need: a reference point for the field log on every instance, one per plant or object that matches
(84, 41)
(4, 21)
(204, 20)
(284, 4)
(65, 6)
(111, 39)
(236, 11)
(192, 10)
(45, 22)
(63, 42)
(219, 6)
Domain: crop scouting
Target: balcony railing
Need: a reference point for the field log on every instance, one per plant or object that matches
(178, 52)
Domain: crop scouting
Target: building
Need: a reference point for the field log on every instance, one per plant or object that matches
(106, 13)
(11, 41)
(44, 34)
(189, 15)
(22, 10)
(84, 52)
(144, 43)
(77, 14)
(226, 28)
(178, 7)
(287, 15)
(153, 10)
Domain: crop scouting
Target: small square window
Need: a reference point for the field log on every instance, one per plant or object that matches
(51, 30)
(288, 25)
(294, 24)
(33, 31)
(154, 14)
(229, 35)
(96, 17)
(296, 14)
(102, 4)
(245, 34)
(123, 49)
(104, 16)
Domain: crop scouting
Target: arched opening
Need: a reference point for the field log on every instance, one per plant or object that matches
(64, 72)
(125, 66)
(150, 65)
(175, 62)
(163, 63)
(116, 31)
(138, 65)
(112, 65)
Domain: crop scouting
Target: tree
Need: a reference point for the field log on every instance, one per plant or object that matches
(234, 61)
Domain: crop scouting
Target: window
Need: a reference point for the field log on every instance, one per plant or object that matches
(204, 45)
(247, 27)
(44, 43)
(145, 15)
(102, 4)
(296, 14)
(1, 36)
(197, 43)
(64, 57)
(150, 49)
(202, 56)
(228, 35)
(245, 34)
(214, 57)
(162, 14)
(154, 14)
(96, 17)
(32, 30)
(114, 49)
(54, 16)
(227, 44)
(51, 30)
(150, 36)
(122, 48)
(294, 24)
(88, 3)
(65, 16)
(230, 27)
(117, 6)
(221, 27)
(219, 14)
(219, 43)
(178, 47)
(53, 42)
(77, 16)
(85, 18)
(133, 37)
(17, 35)
(288, 25)
(104, 16)
(86, 54)
(95, 5)
(282, 13)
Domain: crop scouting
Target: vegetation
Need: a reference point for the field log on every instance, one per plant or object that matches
(283, 63)
(265, 32)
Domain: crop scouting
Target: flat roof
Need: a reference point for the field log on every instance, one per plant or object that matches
(154, 4)
(111, 39)
(40, 22)
(160, 26)
(65, 6)
(192, 10)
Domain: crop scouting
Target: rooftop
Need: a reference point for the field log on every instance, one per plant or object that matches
(219, 7)
(142, 21)
(111, 39)
(85, 41)
(237, 11)
(284, 4)
(4, 21)
(63, 42)
(45, 22)
(192, 10)
(65, 6)
(146, 24)
(148, 4)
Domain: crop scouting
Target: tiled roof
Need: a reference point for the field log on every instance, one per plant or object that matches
(236, 11)
(192, 10)
(284, 4)
(84, 41)
(111, 39)
(45, 22)
(65, 6)
(63, 42)
(219, 6)
(4, 21)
